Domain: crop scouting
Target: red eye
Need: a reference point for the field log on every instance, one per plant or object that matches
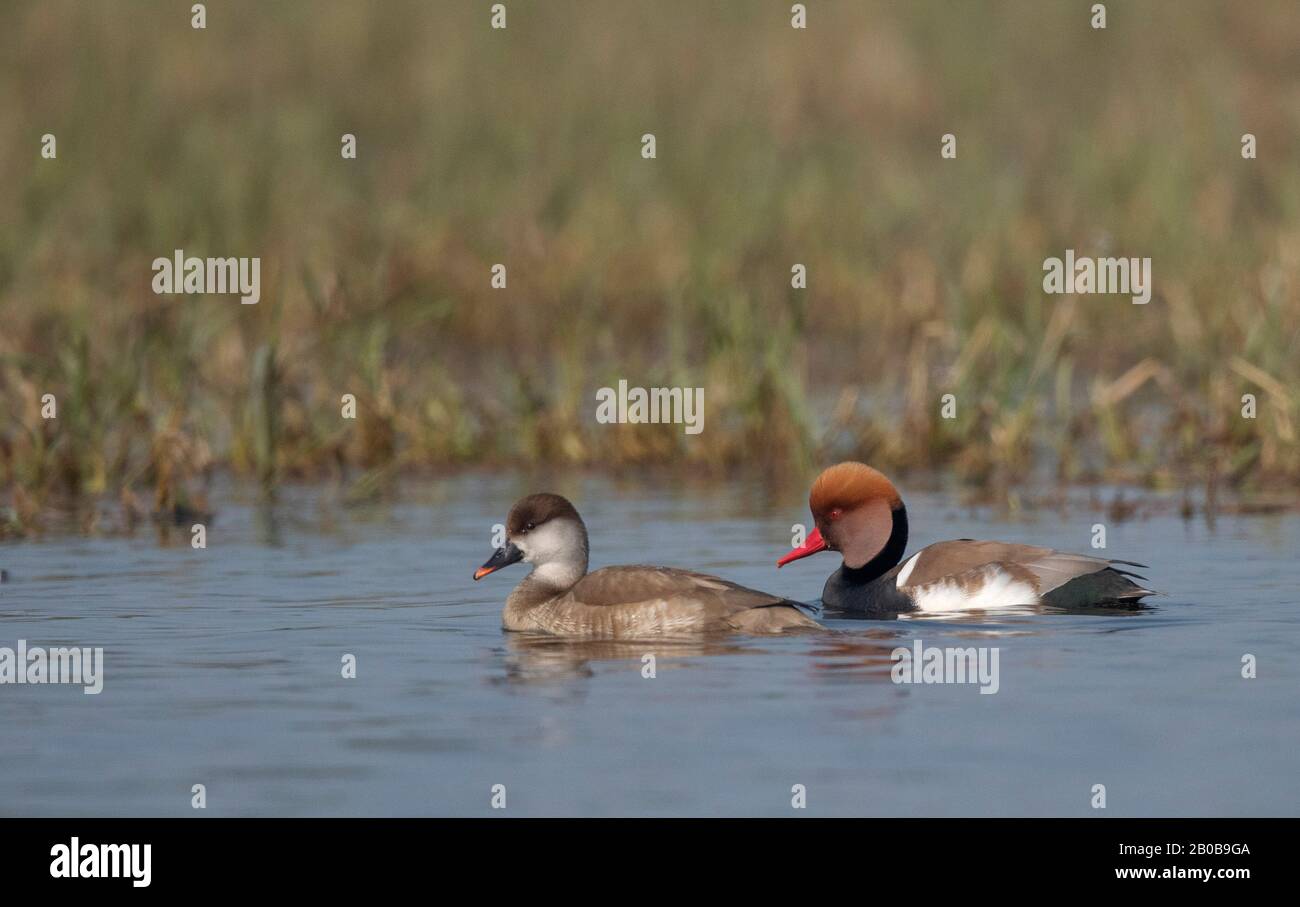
(836, 513)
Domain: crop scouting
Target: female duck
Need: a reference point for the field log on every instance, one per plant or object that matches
(559, 596)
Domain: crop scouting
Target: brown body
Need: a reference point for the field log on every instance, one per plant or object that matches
(560, 597)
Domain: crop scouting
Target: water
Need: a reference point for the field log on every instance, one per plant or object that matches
(222, 668)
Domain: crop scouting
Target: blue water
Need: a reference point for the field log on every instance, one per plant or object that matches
(222, 668)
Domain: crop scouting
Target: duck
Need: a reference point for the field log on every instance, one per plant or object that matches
(561, 598)
(860, 514)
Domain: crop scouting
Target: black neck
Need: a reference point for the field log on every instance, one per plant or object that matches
(888, 557)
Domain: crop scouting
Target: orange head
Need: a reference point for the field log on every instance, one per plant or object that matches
(853, 508)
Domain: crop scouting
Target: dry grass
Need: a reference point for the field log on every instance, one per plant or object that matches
(775, 147)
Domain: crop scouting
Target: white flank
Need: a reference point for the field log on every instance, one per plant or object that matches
(995, 589)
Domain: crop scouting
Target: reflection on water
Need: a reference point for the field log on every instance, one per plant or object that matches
(533, 657)
(861, 654)
(223, 667)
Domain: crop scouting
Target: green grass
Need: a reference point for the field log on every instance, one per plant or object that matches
(522, 146)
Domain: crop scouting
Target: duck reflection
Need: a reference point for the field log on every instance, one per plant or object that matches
(859, 654)
(542, 658)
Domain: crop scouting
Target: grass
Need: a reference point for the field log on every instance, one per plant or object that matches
(521, 146)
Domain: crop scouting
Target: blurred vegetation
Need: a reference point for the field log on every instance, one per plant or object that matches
(522, 146)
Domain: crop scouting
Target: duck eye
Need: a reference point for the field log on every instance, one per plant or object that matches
(529, 526)
(836, 513)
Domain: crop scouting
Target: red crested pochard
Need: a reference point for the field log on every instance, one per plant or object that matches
(859, 513)
(560, 597)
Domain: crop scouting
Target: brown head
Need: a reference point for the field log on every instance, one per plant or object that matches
(858, 512)
(543, 530)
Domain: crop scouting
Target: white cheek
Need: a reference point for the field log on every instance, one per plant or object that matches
(524, 544)
(548, 542)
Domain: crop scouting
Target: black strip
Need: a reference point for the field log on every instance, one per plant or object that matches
(496, 855)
